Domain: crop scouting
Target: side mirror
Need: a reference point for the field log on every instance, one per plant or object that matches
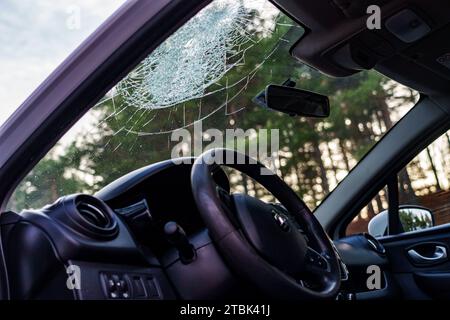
(378, 225)
(412, 218)
(297, 102)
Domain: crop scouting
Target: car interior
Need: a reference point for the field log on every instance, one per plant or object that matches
(178, 230)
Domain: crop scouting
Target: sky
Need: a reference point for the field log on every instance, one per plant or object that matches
(36, 36)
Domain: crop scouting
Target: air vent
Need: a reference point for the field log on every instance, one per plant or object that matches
(86, 215)
(93, 215)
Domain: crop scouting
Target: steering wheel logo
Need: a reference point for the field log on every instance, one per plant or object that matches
(281, 220)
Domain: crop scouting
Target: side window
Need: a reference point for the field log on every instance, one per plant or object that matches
(360, 223)
(423, 195)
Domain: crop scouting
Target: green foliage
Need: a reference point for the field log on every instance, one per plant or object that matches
(51, 178)
(128, 138)
(412, 221)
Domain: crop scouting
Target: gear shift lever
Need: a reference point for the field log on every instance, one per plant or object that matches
(177, 237)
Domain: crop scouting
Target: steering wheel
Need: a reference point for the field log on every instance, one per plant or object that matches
(282, 249)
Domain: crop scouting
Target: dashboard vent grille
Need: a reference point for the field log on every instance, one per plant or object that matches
(86, 215)
(93, 215)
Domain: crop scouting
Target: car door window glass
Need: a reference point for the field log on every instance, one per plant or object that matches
(423, 193)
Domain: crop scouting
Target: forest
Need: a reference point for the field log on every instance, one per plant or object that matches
(132, 125)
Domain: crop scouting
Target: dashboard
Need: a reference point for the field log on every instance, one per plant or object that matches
(114, 245)
(150, 197)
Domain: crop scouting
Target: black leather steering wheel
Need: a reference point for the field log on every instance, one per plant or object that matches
(286, 259)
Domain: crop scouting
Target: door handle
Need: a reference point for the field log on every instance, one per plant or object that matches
(439, 254)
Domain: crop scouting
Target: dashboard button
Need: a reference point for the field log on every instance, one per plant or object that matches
(116, 286)
(152, 290)
(113, 295)
(138, 287)
(111, 285)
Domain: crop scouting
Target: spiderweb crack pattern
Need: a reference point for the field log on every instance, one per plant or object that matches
(192, 65)
(191, 60)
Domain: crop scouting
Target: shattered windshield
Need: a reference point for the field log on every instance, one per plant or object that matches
(203, 82)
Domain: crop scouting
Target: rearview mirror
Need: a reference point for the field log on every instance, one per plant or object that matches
(412, 218)
(297, 102)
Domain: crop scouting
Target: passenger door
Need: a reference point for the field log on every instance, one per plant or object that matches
(411, 218)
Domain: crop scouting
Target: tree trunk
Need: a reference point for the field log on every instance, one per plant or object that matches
(379, 203)
(378, 116)
(447, 164)
(370, 211)
(318, 159)
(436, 176)
(333, 167)
(385, 113)
(244, 182)
(322, 170)
(314, 193)
(406, 191)
(300, 180)
(344, 155)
